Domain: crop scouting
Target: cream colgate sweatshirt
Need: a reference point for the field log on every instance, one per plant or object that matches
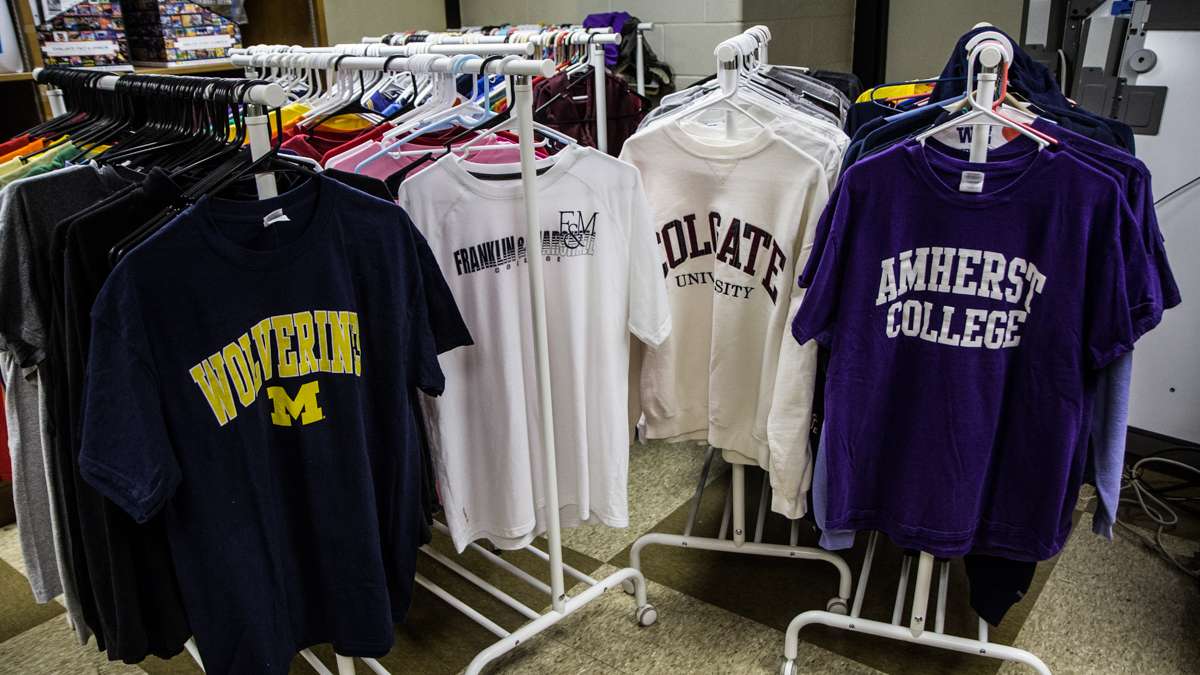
(735, 223)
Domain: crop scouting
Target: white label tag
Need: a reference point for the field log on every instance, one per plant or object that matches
(960, 137)
(275, 216)
(972, 181)
(80, 48)
(194, 42)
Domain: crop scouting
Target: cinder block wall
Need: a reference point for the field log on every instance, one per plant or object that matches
(813, 33)
(816, 33)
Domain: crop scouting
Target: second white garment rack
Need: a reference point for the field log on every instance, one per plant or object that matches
(548, 38)
(521, 70)
(465, 35)
(992, 50)
(730, 55)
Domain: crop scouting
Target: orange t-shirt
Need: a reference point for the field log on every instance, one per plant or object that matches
(23, 150)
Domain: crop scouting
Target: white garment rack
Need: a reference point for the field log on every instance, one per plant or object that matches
(595, 42)
(991, 51)
(729, 54)
(561, 605)
(272, 96)
(595, 38)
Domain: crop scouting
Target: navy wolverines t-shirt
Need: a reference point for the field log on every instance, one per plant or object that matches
(252, 381)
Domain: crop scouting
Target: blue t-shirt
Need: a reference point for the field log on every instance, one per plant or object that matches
(966, 330)
(253, 382)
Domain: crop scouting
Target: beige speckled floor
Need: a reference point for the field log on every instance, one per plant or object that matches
(1101, 607)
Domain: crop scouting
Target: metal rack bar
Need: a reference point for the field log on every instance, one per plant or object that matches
(470, 576)
(269, 95)
(694, 509)
(434, 64)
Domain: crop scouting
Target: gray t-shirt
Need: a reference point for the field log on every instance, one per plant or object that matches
(29, 209)
(31, 493)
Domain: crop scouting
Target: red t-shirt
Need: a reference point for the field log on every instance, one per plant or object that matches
(5, 459)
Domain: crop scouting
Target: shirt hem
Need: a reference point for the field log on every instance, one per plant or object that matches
(743, 443)
(656, 337)
(986, 539)
(679, 424)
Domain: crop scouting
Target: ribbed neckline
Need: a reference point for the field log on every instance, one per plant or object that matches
(315, 196)
(1025, 166)
(723, 151)
(462, 170)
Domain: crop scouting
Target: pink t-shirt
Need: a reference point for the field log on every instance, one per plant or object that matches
(388, 164)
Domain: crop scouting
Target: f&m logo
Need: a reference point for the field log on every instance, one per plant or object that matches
(303, 407)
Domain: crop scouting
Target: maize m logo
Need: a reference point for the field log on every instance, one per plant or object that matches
(284, 346)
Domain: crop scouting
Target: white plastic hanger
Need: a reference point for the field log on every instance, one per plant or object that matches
(983, 111)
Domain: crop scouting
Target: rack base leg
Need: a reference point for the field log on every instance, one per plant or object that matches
(839, 604)
(646, 615)
(902, 634)
(735, 506)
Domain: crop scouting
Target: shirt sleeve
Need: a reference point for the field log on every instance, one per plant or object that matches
(1120, 302)
(649, 312)
(21, 328)
(126, 452)
(425, 372)
(820, 237)
(1143, 205)
(445, 320)
(790, 416)
(817, 313)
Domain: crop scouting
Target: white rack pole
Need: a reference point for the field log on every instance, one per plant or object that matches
(865, 575)
(901, 591)
(541, 342)
(500, 49)
(764, 504)
(739, 504)
(444, 64)
(451, 39)
(461, 606)
(194, 652)
(939, 623)
(601, 96)
(258, 127)
(313, 661)
(57, 106)
(513, 603)
(500, 562)
(921, 594)
(641, 56)
(989, 59)
(901, 633)
(579, 576)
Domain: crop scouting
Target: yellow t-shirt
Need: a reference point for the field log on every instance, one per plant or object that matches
(292, 112)
(895, 91)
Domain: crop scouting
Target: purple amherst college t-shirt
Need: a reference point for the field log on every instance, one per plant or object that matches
(966, 330)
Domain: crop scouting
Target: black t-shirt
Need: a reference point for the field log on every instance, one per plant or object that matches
(26, 328)
(131, 575)
(252, 382)
(450, 331)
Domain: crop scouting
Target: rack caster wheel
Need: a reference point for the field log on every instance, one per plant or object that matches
(628, 586)
(837, 606)
(788, 667)
(647, 615)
